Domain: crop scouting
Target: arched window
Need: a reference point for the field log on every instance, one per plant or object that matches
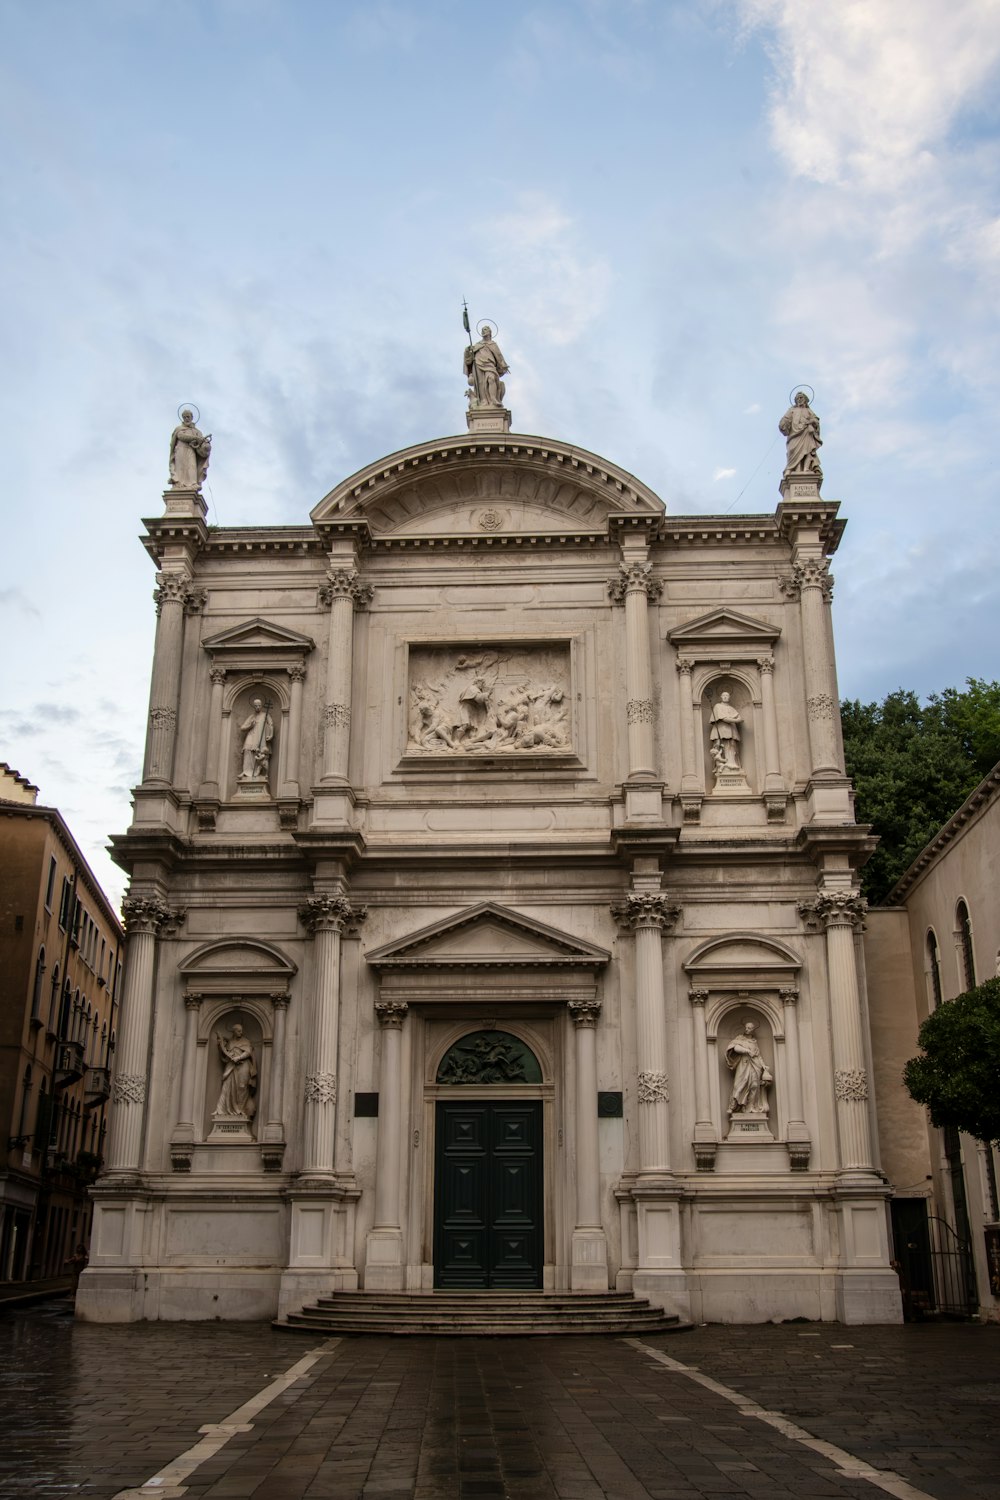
(36, 994)
(964, 924)
(934, 968)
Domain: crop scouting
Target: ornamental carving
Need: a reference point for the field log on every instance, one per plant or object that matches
(684, 665)
(585, 1013)
(834, 909)
(391, 1013)
(491, 520)
(337, 716)
(489, 1057)
(218, 676)
(639, 711)
(297, 672)
(129, 1088)
(149, 914)
(813, 573)
(346, 585)
(163, 718)
(195, 601)
(649, 909)
(495, 702)
(171, 588)
(653, 1087)
(698, 996)
(851, 1083)
(321, 1088)
(634, 578)
(789, 996)
(820, 706)
(765, 665)
(330, 913)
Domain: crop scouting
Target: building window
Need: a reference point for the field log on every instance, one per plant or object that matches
(66, 903)
(50, 885)
(934, 968)
(36, 994)
(965, 945)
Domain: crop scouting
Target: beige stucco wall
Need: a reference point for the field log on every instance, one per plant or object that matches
(893, 1013)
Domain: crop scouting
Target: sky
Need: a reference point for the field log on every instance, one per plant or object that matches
(674, 214)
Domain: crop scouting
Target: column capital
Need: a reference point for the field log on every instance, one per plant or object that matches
(344, 583)
(172, 588)
(834, 909)
(584, 1013)
(330, 914)
(809, 573)
(634, 578)
(195, 600)
(279, 1000)
(391, 1013)
(192, 1000)
(765, 665)
(698, 995)
(648, 909)
(150, 914)
(297, 672)
(217, 676)
(684, 665)
(789, 995)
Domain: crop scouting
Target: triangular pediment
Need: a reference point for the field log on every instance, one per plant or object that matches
(488, 936)
(259, 635)
(498, 486)
(724, 626)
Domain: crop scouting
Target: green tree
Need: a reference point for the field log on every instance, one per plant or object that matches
(914, 764)
(957, 1074)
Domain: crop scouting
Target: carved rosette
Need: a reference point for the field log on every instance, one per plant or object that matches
(129, 1088)
(834, 909)
(149, 914)
(813, 573)
(648, 909)
(337, 716)
(820, 706)
(639, 711)
(851, 1083)
(391, 1013)
(653, 1087)
(584, 1013)
(321, 1088)
(345, 584)
(330, 914)
(634, 578)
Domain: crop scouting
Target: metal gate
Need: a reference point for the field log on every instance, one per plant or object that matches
(954, 1272)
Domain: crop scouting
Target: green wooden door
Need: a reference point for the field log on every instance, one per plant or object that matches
(488, 1193)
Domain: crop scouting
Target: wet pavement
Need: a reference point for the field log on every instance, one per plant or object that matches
(787, 1411)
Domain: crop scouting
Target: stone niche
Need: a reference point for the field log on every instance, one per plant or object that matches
(511, 701)
(232, 1096)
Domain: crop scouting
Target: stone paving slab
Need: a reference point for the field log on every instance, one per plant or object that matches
(93, 1411)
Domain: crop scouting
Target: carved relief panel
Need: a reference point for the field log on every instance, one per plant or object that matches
(502, 699)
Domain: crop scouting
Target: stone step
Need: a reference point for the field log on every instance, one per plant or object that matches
(481, 1314)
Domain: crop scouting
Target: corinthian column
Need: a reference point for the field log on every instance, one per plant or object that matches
(144, 918)
(812, 584)
(842, 913)
(647, 915)
(634, 586)
(212, 785)
(325, 917)
(590, 1247)
(344, 593)
(705, 1135)
(384, 1259)
(172, 593)
(296, 675)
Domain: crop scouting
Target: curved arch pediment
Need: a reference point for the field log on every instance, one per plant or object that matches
(531, 485)
(741, 959)
(237, 962)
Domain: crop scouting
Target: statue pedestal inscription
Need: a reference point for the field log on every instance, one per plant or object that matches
(749, 1127)
(228, 1128)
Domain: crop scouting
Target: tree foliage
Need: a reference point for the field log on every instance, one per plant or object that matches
(914, 764)
(957, 1074)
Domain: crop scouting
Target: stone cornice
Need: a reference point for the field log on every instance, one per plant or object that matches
(973, 807)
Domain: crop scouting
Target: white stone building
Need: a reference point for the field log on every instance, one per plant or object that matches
(481, 815)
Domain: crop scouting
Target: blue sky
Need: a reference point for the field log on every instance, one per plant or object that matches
(674, 212)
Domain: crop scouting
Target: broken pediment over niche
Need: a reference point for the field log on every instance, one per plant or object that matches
(470, 488)
(488, 936)
(237, 965)
(258, 642)
(723, 632)
(742, 960)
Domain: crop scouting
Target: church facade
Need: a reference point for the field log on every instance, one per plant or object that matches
(493, 917)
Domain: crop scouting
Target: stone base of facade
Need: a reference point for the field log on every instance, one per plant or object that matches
(589, 1272)
(300, 1289)
(666, 1289)
(136, 1295)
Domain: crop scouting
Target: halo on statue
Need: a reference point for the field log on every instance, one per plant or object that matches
(795, 391)
(189, 406)
(486, 323)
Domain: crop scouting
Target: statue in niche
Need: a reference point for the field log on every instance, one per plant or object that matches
(724, 737)
(238, 1095)
(800, 425)
(751, 1075)
(484, 364)
(258, 732)
(189, 453)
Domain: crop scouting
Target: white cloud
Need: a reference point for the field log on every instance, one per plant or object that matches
(723, 474)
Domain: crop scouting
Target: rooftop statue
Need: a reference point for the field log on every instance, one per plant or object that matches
(484, 364)
(189, 451)
(800, 425)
